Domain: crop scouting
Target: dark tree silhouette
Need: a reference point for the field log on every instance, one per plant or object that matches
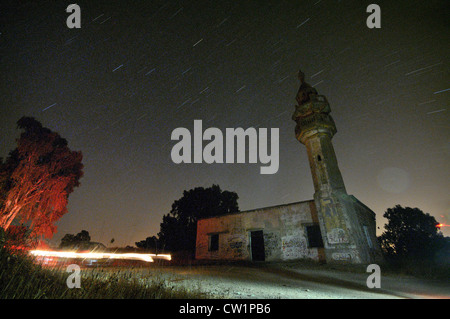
(150, 243)
(81, 239)
(37, 178)
(410, 234)
(179, 228)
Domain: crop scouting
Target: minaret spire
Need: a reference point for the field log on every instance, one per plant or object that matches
(339, 222)
(315, 129)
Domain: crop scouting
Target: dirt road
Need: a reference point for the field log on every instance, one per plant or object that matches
(265, 281)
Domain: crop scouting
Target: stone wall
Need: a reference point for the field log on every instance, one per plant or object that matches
(366, 219)
(284, 232)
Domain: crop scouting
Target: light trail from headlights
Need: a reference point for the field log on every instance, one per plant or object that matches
(99, 255)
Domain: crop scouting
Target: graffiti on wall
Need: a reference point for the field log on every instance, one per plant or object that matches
(271, 244)
(342, 256)
(337, 236)
(237, 245)
(294, 246)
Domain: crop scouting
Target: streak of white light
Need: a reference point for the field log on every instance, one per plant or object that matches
(99, 255)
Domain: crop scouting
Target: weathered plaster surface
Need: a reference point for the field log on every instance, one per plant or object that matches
(284, 229)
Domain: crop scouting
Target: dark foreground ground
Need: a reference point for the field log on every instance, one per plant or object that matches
(286, 281)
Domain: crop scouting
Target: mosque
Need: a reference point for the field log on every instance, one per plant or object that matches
(333, 227)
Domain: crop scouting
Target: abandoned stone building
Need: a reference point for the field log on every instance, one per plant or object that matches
(331, 227)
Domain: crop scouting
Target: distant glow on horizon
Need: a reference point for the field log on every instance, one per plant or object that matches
(442, 225)
(93, 255)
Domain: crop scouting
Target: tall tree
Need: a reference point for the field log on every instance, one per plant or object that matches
(80, 239)
(410, 233)
(148, 243)
(179, 228)
(37, 178)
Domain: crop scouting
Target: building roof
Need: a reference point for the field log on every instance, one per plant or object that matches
(261, 208)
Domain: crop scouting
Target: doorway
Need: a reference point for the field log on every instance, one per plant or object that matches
(257, 245)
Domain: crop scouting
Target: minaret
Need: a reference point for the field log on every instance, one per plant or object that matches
(343, 235)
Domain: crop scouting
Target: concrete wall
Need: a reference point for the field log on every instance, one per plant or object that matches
(284, 230)
(366, 218)
(348, 228)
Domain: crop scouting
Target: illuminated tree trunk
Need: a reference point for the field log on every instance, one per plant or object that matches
(8, 217)
(40, 174)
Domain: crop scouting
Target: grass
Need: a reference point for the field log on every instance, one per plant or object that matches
(21, 278)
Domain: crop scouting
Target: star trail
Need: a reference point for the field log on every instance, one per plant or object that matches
(118, 86)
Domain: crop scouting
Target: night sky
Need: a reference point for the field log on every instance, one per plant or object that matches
(136, 70)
